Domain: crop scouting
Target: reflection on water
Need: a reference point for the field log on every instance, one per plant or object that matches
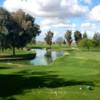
(45, 57)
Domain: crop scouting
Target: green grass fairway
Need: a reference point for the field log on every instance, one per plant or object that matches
(68, 78)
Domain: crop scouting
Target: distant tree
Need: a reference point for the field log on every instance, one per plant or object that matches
(85, 35)
(59, 40)
(68, 37)
(96, 39)
(86, 43)
(77, 36)
(48, 38)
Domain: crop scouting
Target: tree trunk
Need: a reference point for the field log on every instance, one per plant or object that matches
(13, 50)
(13, 44)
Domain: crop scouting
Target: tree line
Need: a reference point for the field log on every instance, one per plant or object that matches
(80, 39)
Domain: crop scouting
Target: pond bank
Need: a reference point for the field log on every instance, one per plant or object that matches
(18, 57)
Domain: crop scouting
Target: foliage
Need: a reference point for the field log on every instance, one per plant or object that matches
(19, 27)
(87, 43)
(29, 29)
(77, 36)
(4, 23)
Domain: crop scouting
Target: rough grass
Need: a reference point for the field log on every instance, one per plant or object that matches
(61, 80)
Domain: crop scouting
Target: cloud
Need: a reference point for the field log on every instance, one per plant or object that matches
(48, 8)
(54, 14)
(88, 26)
(56, 23)
(95, 13)
(51, 21)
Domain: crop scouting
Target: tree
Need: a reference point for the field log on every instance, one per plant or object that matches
(68, 37)
(86, 43)
(48, 38)
(20, 28)
(29, 29)
(96, 39)
(4, 27)
(77, 36)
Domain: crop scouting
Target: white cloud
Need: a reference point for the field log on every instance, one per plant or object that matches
(90, 34)
(52, 12)
(51, 21)
(56, 23)
(95, 13)
(88, 26)
(47, 8)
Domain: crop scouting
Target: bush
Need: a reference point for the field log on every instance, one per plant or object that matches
(86, 43)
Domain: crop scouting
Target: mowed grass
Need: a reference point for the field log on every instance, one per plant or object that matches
(67, 78)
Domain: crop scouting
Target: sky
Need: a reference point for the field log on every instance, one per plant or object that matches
(60, 15)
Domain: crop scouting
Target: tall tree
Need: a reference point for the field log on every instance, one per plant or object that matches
(77, 36)
(20, 28)
(68, 37)
(29, 29)
(48, 38)
(4, 24)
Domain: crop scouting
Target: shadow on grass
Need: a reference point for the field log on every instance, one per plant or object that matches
(5, 68)
(17, 57)
(9, 98)
(17, 84)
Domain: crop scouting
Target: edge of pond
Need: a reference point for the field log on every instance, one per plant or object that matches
(17, 57)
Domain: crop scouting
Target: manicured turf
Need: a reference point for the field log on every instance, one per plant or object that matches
(68, 78)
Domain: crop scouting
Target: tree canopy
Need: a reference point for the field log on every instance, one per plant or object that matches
(77, 36)
(17, 29)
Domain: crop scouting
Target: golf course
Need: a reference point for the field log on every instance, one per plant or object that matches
(74, 76)
(49, 49)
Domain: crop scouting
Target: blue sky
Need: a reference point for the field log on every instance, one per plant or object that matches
(1, 2)
(60, 15)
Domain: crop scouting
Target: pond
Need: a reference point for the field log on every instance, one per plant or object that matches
(45, 56)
